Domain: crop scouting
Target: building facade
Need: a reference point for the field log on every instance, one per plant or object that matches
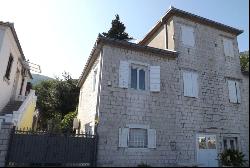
(17, 104)
(178, 97)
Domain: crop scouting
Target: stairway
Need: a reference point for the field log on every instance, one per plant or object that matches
(10, 107)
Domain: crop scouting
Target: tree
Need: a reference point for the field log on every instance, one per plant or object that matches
(117, 30)
(55, 99)
(244, 61)
(47, 101)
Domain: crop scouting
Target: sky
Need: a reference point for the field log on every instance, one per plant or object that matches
(60, 34)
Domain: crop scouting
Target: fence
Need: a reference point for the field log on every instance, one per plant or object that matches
(29, 148)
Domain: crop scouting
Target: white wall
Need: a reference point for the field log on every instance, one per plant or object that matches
(7, 46)
(88, 100)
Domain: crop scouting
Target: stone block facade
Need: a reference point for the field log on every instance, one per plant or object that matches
(175, 117)
(5, 132)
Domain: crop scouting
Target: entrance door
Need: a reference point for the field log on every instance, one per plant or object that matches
(206, 150)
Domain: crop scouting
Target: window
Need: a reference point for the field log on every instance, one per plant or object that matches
(230, 143)
(190, 84)
(138, 138)
(234, 91)
(138, 77)
(228, 47)
(133, 78)
(207, 142)
(8, 70)
(187, 35)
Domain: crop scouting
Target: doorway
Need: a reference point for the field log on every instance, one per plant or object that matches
(206, 145)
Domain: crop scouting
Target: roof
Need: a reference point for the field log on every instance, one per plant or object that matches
(101, 40)
(11, 26)
(177, 12)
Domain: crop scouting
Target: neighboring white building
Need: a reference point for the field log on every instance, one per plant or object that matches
(17, 103)
(177, 98)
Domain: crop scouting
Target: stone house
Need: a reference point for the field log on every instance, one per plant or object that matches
(178, 97)
(17, 101)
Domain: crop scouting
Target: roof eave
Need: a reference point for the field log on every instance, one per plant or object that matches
(104, 40)
(174, 11)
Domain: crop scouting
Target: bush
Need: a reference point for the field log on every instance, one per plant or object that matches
(67, 122)
(143, 165)
(231, 157)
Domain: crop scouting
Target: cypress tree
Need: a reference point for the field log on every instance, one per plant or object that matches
(117, 30)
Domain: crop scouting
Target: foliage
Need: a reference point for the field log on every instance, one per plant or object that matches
(56, 98)
(244, 61)
(54, 124)
(143, 165)
(47, 101)
(231, 157)
(67, 122)
(117, 30)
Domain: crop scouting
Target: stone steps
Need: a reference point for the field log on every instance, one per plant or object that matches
(10, 107)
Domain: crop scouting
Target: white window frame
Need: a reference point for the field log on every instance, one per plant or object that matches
(194, 92)
(187, 28)
(151, 143)
(139, 67)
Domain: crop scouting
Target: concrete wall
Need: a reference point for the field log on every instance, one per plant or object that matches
(27, 118)
(170, 34)
(158, 39)
(88, 100)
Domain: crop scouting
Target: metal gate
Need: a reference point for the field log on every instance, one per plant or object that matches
(27, 148)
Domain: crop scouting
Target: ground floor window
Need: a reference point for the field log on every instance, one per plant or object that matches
(138, 138)
(230, 143)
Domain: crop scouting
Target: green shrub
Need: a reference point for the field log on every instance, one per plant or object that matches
(143, 165)
(231, 157)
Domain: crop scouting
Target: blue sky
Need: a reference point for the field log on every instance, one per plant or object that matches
(59, 34)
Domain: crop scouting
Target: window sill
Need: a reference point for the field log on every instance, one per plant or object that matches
(131, 90)
(137, 149)
(234, 103)
(191, 97)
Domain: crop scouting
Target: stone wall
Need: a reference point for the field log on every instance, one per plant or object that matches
(88, 98)
(174, 116)
(119, 107)
(5, 131)
(212, 109)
